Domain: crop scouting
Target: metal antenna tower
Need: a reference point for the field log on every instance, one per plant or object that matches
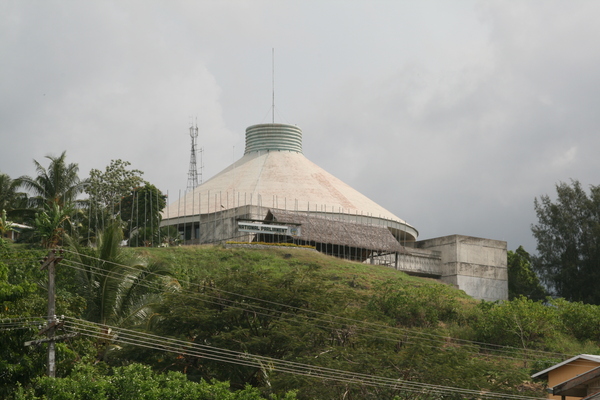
(193, 171)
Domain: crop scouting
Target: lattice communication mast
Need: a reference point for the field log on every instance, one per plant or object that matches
(194, 177)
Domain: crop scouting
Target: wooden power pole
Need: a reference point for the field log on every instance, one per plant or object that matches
(49, 262)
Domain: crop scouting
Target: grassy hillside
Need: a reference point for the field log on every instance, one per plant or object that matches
(302, 311)
(206, 260)
(390, 324)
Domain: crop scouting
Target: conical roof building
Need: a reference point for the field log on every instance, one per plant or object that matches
(274, 194)
(274, 184)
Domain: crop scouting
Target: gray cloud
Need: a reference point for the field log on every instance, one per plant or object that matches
(454, 116)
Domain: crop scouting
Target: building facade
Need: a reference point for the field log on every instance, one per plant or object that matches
(275, 194)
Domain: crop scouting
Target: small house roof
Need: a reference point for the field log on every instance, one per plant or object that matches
(578, 385)
(589, 357)
(594, 396)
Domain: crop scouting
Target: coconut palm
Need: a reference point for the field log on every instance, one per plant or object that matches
(52, 223)
(11, 199)
(58, 184)
(5, 225)
(54, 202)
(119, 290)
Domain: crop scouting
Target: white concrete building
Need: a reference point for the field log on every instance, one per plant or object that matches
(275, 194)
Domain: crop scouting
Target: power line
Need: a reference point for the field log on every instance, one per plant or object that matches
(22, 323)
(405, 335)
(172, 345)
(364, 325)
(373, 326)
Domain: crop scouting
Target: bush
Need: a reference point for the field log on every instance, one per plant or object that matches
(134, 381)
(520, 323)
(417, 306)
(579, 319)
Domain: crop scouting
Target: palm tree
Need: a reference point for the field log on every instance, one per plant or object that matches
(11, 199)
(53, 223)
(5, 225)
(119, 290)
(55, 201)
(58, 184)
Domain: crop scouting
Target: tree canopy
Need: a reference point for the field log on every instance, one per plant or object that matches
(10, 197)
(522, 280)
(568, 242)
(58, 184)
(134, 381)
(141, 214)
(107, 188)
(118, 289)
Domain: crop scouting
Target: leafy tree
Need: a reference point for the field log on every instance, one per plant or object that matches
(141, 214)
(17, 300)
(107, 188)
(23, 305)
(522, 281)
(58, 184)
(568, 242)
(579, 319)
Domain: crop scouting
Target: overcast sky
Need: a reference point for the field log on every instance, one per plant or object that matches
(452, 115)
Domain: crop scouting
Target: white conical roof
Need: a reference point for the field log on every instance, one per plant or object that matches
(274, 173)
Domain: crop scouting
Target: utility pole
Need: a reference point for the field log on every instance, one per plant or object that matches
(49, 262)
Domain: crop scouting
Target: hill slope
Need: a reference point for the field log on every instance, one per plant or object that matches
(299, 305)
(284, 318)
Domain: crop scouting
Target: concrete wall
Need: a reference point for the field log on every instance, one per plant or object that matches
(475, 265)
(418, 262)
(216, 227)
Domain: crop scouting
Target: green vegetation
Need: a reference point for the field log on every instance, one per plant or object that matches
(119, 289)
(285, 322)
(56, 214)
(134, 381)
(11, 200)
(293, 305)
(568, 242)
(58, 184)
(106, 189)
(522, 280)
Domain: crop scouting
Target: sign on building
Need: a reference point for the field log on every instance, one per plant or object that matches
(259, 227)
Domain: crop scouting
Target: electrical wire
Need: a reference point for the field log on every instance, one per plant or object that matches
(408, 334)
(253, 309)
(8, 324)
(405, 335)
(162, 343)
(251, 360)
